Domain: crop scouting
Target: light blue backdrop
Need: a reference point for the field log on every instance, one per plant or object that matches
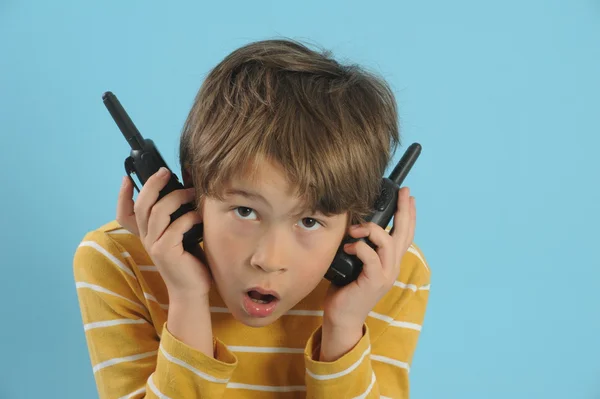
(503, 96)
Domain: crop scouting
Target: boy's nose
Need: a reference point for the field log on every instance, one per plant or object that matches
(269, 267)
(270, 255)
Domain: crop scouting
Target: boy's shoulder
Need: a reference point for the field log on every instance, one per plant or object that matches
(414, 267)
(105, 230)
(405, 303)
(110, 227)
(114, 242)
(112, 233)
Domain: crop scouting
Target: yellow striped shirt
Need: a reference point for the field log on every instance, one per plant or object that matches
(124, 305)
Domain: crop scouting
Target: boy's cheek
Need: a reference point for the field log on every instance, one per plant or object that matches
(313, 267)
(224, 250)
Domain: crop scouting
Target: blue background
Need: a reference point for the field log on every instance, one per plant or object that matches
(503, 96)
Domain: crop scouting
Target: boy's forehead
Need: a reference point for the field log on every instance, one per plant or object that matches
(265, 193)
(265, 175)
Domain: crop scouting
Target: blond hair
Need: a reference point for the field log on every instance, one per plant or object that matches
(331, 127)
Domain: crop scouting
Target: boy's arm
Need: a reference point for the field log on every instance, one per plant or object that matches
(129, 359)
(371, 367)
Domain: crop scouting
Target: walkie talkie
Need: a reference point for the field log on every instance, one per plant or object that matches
(144, 161)
(346, 268)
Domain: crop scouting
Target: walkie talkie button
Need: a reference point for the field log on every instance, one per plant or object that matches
(150, 160)
(382, 200)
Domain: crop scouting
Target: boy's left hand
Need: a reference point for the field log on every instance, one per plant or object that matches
(346, 308)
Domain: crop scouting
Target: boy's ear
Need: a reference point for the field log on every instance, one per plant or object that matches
(187, 178)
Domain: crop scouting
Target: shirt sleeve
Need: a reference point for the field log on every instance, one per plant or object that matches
(377, 367)
(129, 358)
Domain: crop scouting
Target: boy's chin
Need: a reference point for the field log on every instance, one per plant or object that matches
(248, 315)
(243, 317)
(257, 323)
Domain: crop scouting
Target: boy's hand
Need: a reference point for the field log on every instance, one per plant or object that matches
(346, 308)
(185, 276)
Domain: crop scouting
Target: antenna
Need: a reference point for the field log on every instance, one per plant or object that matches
(123, 121)
(405, 164)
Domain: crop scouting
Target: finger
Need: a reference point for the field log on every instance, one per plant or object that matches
(401, 217)
(147, 198)
(413, 222)
(372, 270)
(125, 212)
(173, 235)
(160, 215)
(382, 240)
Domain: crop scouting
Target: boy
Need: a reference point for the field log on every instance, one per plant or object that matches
(282, 154)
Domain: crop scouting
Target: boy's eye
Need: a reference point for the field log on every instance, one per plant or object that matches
(243, 212)
(310, 223)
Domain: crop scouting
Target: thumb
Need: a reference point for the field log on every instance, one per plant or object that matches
(125, 213)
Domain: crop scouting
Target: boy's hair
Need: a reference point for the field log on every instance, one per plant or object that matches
(331, 127)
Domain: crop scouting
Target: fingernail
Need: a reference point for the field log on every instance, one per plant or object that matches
(123, 181)
(162, 171)
(355, 226)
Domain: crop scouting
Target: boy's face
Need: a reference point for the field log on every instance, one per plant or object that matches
(253, 243)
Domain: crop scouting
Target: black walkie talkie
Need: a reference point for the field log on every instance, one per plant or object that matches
(346, 268)
(144, 161)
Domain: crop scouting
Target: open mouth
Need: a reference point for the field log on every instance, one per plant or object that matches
(260, 303)
(257, 297)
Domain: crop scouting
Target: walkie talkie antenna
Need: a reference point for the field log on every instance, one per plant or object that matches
(405, 164)
(123, 121)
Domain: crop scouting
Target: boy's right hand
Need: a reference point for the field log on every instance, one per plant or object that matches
(185, 276)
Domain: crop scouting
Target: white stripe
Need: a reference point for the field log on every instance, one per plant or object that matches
(104, 290)
(266, 388)
(215, 309)
(413, 250)
(154, 389)
(132, 394)
(126, 254)
(148, 268)
(152, 298)
(117, 360)
(110, 323)
(192, 369)
(391, 361)
(391, 321)
(405, 286)
(120, 231)
(384, 397)
(264, 349)
(110, 256)
(395, 323)
(304, 313)
(341, 373)
(412, 287)
(364, 395)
